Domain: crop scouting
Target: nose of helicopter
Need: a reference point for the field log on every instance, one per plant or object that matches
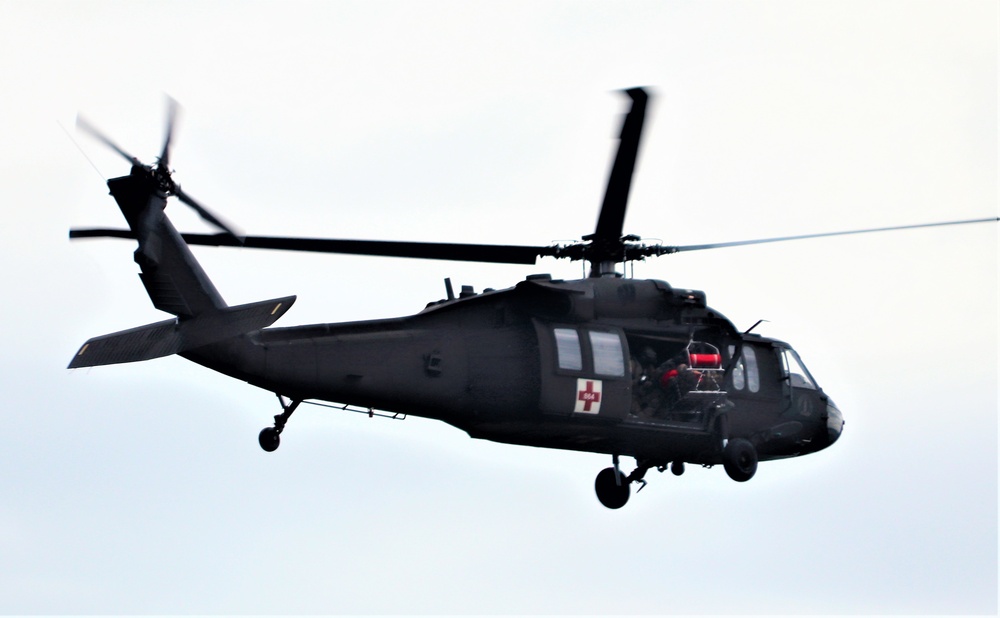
(834, 422)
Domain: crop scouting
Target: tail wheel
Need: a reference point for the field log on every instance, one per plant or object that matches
(612, 489)
(740, 460)
(269, 439)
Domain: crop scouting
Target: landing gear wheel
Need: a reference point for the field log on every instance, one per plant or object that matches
(677, 468)
(609, 492)
(269, 439)
(740, 460)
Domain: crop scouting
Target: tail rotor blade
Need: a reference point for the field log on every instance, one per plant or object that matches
(207, 215)
(83, 125)
(163, 167)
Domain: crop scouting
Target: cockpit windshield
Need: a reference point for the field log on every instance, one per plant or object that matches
(796, 371)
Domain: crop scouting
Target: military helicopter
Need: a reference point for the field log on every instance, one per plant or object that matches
(605, 364)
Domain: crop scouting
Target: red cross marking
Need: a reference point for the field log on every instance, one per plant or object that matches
(589, 396)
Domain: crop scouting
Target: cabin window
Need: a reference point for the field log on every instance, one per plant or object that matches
(753, 374)
(609, 359)
(739, 376)
(745, 372)
(568, 349)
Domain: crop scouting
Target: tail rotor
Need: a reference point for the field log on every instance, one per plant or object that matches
(160, 173)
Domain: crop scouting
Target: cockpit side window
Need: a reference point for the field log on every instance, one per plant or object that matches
(568, 349)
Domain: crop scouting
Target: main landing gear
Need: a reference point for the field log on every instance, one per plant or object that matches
(270, 437)
(612, 486)
(740, 460)
(739, 457)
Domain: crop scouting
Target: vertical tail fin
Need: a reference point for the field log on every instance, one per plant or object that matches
(174, 280)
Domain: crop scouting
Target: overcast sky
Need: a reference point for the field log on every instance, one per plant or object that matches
(141, 488)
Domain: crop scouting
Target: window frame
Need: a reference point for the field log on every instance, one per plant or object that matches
(745, 374)
(603, 350)
(582, 338)
(565, 354)
(790, 360)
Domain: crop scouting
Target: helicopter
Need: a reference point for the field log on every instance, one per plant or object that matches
(605, 364)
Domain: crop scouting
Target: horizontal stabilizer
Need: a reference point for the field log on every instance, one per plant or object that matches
(232, 322)
(175, 336)
(128, 346)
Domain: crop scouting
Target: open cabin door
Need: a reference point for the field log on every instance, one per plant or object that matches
(676, 380)
(584, 371)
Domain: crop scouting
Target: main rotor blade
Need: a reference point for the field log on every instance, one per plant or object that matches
(207, 215)
(612, 217)
(101, 232)
(86, 127)
(761, 241)
(497, 254)
(500, 254)
(164, 160)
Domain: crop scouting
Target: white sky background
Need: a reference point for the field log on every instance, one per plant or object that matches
(141, 488)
